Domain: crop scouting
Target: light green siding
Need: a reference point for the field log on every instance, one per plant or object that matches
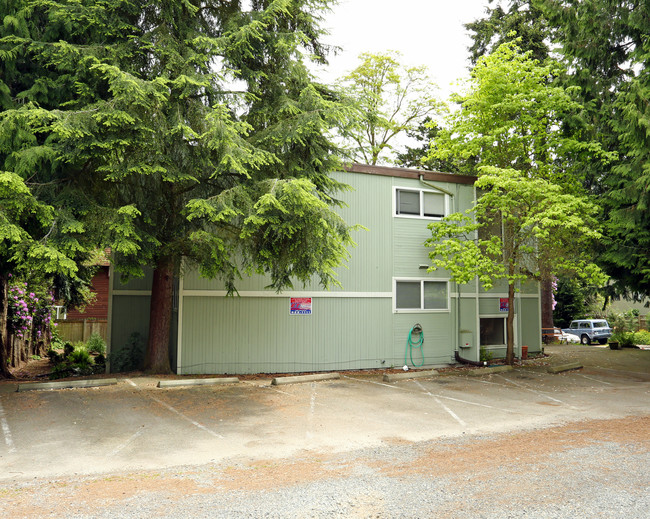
(468, 331)
(530, 324)
(257, 334)
(143, 283)
(351, 327)
(130, 315)
(369, 267)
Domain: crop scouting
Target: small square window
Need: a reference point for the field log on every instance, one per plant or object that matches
(408, 202)
(492, 331)
(408, 294)
(434, 204)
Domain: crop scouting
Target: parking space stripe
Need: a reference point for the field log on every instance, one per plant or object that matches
(126, 443)
(525, 388)
(177, 412)
(453, 415)
(595, 379)
(6, 431)
(377, 383)
(476, 403)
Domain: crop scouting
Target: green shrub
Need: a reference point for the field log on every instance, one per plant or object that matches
(100, 364)
(485, 355)
(624, 322)
(68, 348)
(56, 341)
(130, 357)
(624, 339)
(61, 370)
(96, 344)
(54, 356)
(76, 362)
(79, 356)
(642, 337)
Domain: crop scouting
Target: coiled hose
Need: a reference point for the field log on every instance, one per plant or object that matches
(411, 345)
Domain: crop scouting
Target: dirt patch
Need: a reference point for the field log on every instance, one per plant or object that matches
(473, 457)
(521, 449)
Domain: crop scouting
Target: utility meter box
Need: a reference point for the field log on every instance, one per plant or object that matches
(466, 340)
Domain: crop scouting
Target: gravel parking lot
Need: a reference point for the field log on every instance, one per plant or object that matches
(519, 444)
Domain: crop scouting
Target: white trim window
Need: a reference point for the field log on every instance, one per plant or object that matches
(414, 295)
(419, 203)
(492, 330)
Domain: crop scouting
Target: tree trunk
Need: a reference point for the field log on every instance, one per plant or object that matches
(5, 344)
(546, 296)
(160, 317)
(510, 326)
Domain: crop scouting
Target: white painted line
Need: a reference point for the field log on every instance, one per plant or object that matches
(377, 383)
(126, 443)
(476, 403)
(176, 411)
(280, 391)
(543, 395)
(312, 408)
(453, 415)
(312, 400)
(595, 379)
(6, 431)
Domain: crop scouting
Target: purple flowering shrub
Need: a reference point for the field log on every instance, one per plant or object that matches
(29, 312)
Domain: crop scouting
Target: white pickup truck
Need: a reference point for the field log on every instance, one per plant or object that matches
(590, 330)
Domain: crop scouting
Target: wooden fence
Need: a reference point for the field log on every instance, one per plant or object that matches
(81, 330)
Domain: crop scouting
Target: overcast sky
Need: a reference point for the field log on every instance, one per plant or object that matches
(426, 32)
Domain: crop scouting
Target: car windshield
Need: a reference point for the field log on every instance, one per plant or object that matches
(600, 324)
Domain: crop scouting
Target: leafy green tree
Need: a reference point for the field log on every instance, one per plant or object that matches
(510, 122)
(539, 220)
(194, 135)
(511, 117)
(421, 157)
(389, 99)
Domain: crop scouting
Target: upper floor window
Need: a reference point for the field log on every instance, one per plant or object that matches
(419, 203)
(420, 295)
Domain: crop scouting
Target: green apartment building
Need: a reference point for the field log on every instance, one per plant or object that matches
(386, 290)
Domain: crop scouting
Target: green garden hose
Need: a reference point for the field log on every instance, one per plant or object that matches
(410, 345)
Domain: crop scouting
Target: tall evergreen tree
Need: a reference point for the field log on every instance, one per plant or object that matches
(520, 19)
(42, 239)
(605, 44)
(196, 135)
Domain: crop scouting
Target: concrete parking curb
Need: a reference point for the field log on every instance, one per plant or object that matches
(564, 367)
(197, 382)
(67, 384)
(393, 377)
(488, 371)
(304, 378)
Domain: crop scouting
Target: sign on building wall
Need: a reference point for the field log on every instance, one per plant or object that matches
(503, 304)
(300, 306)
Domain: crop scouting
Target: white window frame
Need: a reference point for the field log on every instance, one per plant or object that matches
(505, 331)
(420, 310)
(421, 192)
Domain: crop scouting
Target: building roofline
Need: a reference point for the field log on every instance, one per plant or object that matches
(415, 174)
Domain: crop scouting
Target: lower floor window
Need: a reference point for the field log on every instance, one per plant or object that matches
(421, 295)
(493, 331)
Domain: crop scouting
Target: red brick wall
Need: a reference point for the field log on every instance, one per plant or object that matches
(98, 309)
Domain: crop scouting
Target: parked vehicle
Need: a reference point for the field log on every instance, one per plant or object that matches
(590, 330)
(551, 335)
